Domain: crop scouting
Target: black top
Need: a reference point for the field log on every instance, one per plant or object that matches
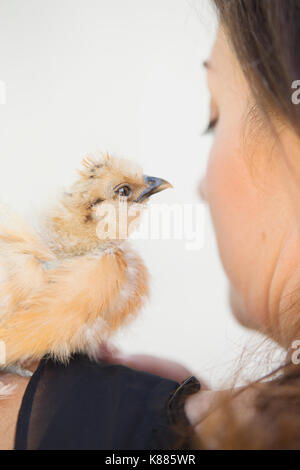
(88, 405)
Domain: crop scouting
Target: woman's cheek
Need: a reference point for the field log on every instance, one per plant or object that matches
(229, 197)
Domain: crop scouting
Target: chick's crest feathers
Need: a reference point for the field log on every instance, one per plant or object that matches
(94, 167)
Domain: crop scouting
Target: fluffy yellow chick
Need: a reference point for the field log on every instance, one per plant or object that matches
(64, 289)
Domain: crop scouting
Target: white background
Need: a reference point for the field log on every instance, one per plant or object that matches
(124, 76)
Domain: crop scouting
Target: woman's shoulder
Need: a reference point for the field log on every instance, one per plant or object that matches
(89, 405)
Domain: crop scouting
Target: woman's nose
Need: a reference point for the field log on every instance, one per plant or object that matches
(202, 190)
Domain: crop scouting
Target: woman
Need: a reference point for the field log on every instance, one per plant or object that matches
(252, 187)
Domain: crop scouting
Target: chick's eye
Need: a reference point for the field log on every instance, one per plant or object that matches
(123, 191)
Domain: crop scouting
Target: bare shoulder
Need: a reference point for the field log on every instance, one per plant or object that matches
(9, 409)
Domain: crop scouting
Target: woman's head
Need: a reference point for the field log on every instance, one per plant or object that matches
(252, 183)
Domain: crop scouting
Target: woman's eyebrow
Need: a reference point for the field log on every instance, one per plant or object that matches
(208, 65)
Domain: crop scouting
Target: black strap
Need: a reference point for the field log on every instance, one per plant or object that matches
(26, 408)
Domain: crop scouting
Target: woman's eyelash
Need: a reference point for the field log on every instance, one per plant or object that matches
(211, 126)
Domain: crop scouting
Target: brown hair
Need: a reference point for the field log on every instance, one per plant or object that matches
(264, 35)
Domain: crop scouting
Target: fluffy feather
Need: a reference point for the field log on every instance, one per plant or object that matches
(63, 290)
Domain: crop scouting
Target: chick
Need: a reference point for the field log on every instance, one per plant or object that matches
(64, 289)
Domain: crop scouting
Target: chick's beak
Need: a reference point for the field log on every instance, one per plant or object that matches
(154, 185)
